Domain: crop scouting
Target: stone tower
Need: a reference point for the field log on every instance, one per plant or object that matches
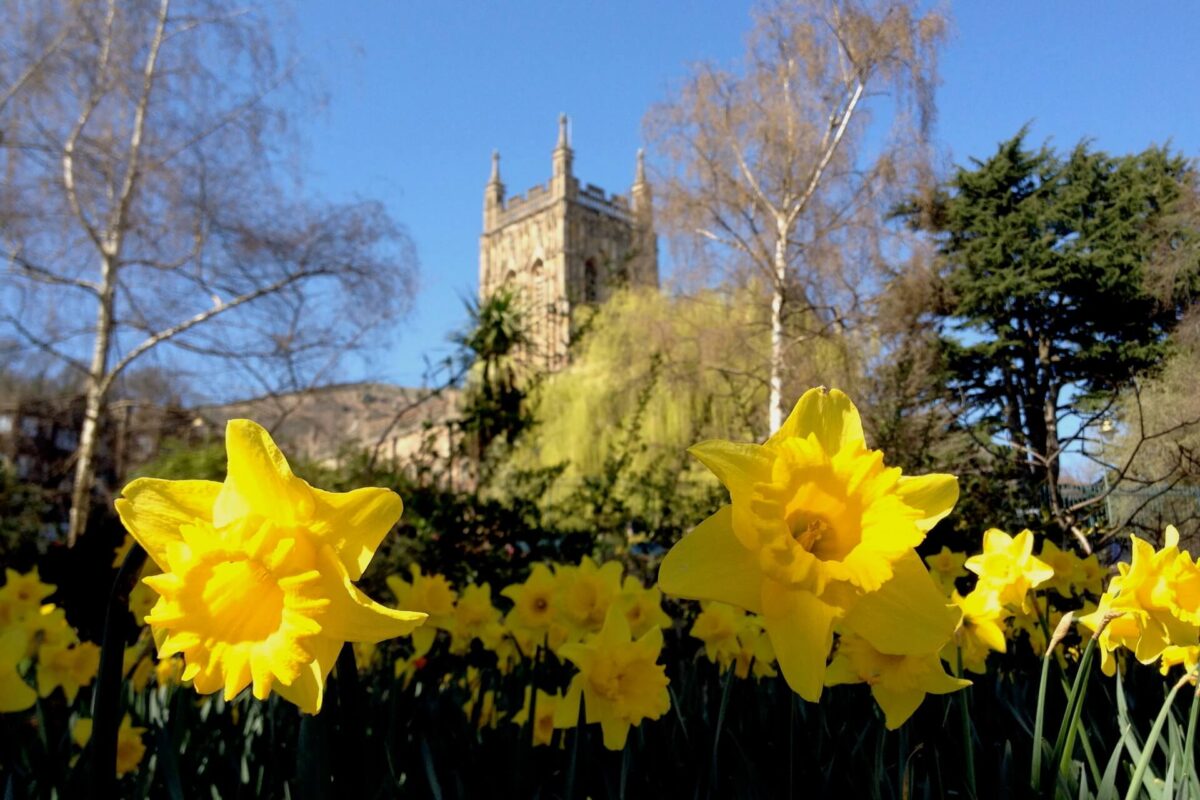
(562, 245)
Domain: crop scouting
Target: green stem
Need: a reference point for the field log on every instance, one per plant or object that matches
(1189, 748)
(1039, 725)
(576, 746)
(968, 742)
(720, 724)
(350, 740)
(1139, 773)
(1064, 743)
(106, 694)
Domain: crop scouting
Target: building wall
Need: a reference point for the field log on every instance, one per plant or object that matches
(561, 245)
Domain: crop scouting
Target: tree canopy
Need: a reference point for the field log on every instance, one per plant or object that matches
(1061, 278)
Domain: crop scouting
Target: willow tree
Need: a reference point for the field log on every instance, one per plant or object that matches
(780, 162)
(143, 146)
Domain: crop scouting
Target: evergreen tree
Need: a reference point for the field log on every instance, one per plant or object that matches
(1061, 279)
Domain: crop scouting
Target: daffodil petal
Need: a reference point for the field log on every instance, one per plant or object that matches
(832, 417)
(897, 706)
(352, 616)
(933, 495)
(616, 731)
(801, 631)
(307, 692)
(259, 479)
(153, 510)
(710, 563)
(737, 466)
(566, 713)
(908, 615)
(354, 523)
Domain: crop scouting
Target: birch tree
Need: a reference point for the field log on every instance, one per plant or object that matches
(780, 160)
(148, 209)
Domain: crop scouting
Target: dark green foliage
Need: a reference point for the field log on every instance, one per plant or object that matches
(1062, 277)
(494, 402)
(179, 460)
(27, 512)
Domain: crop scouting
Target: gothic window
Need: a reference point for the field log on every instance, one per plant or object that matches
(591, 282)
(536, 302)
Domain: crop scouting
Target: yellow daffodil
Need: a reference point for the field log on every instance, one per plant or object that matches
(1092, 575)
(642, 607)
(898, 682)
(946, 566)
(819, 531)
(257, 574)
(406, 669)
(980, 632)
(1175, 656)
(366, 654)
(489, 716)
(619, 680)
(543, 724)
(130, 747)
(168, 671)
(475, 618)
(15, 693)
(717, 627)
(533, 604)
(1008, 567)
(47, 626)
(430, 594)
(1123, 630)
(1068, 569)
(584, 595)
(1159, 595)
(71, 667)
(754, 650)
(21, 594)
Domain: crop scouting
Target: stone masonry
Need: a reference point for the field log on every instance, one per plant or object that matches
(562, 245)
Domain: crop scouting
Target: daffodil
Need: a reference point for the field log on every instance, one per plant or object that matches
(488, 714)
(71, 667)
(431, 594)
(1092, 575)
(168, 671)
(898, 682)
(533, 608)
(257, 574)
(15, 693)
(980, 632)
(642, 607)
(585, 593)
(619, 679)
(819, 531)
(946, 566)
(543, 724)
(130, 747)
(1068, 569)
(717, 627)
(21, 594)
(755, 653)
(475, 618)
(1008, 567)
(1158, 594)
(406, 669)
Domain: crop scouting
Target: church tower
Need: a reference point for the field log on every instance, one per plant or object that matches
(562, 245)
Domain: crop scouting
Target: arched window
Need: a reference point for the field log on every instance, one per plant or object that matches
(591, 282)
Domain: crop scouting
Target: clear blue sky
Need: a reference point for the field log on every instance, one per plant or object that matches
(421, 92)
